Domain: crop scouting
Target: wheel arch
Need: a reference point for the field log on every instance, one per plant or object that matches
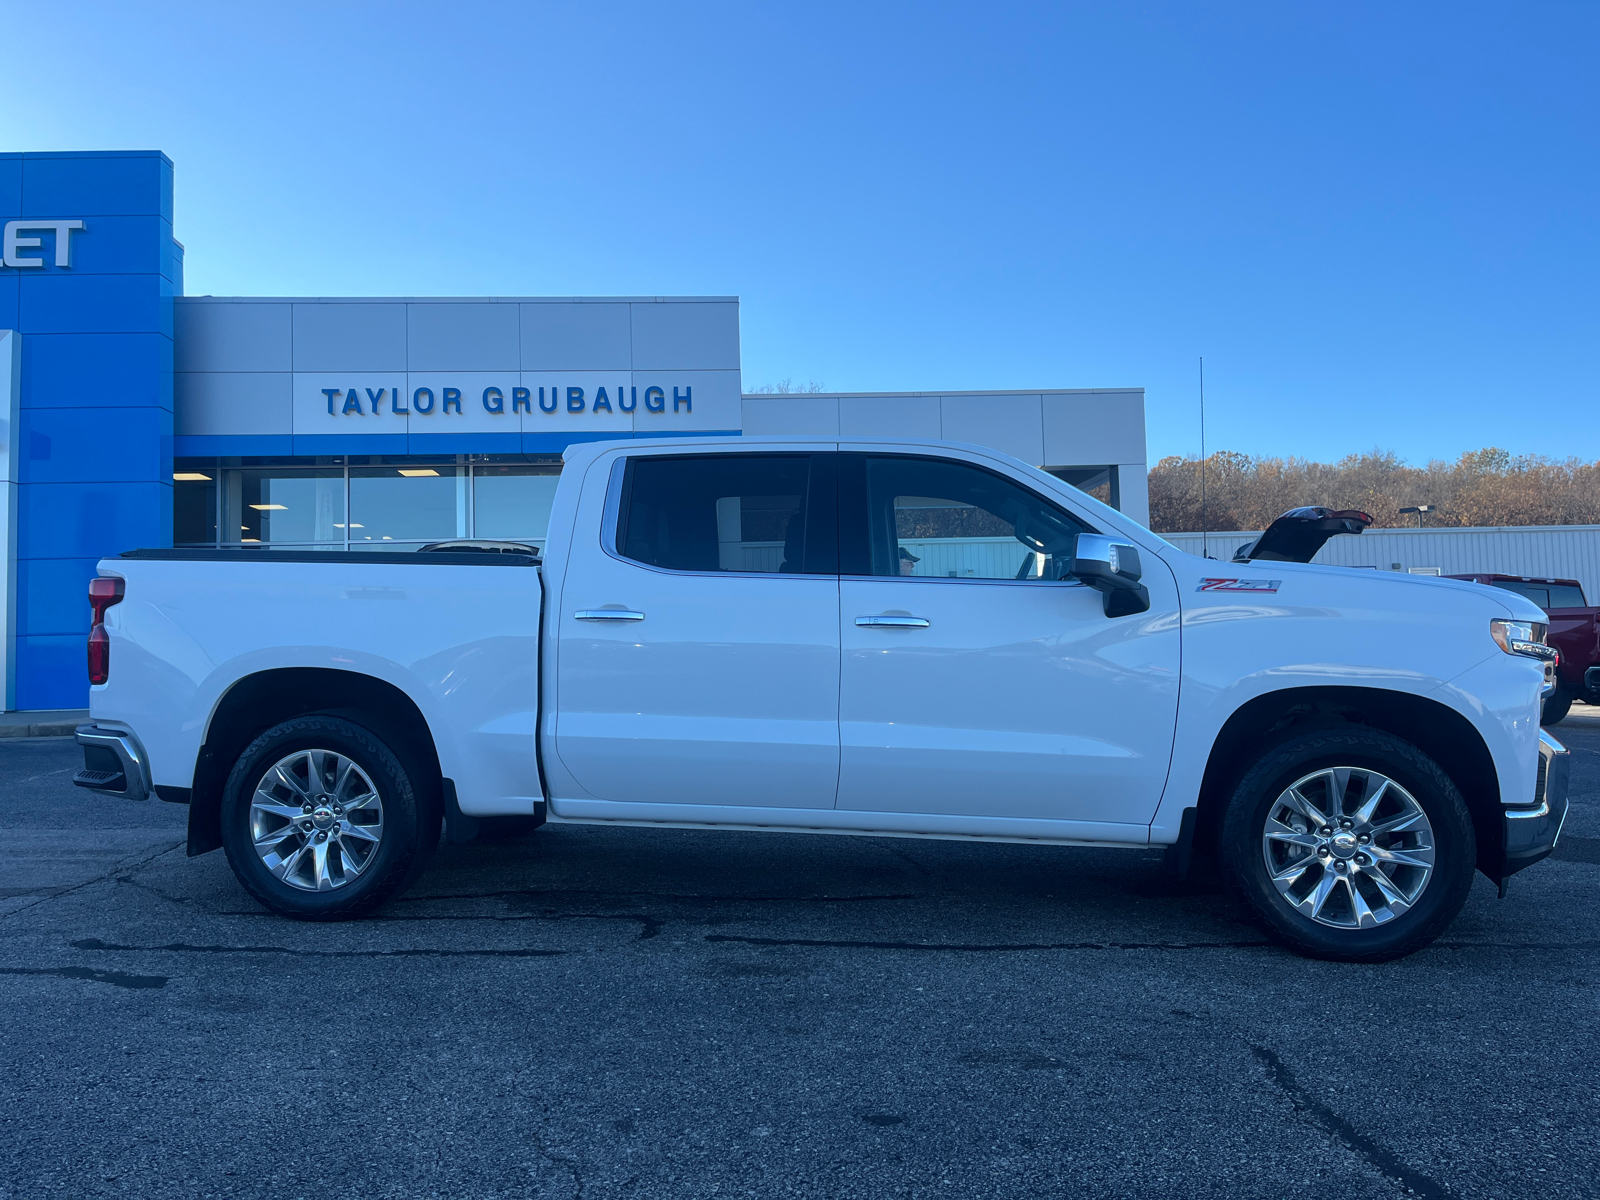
(1436, 729)
(255, 703)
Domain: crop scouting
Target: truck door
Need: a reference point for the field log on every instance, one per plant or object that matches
(976, 683)
(699, 637)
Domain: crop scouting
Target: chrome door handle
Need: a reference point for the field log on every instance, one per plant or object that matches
(607, 614)
(893, 622)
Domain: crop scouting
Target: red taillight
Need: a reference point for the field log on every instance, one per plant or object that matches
(103, 593)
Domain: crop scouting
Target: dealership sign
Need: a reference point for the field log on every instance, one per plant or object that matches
(14, 243)
(497, 401)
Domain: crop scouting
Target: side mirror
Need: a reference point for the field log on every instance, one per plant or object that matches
(1113, 569)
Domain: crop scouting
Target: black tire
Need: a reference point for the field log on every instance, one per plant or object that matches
(409, 830)
(1556, 706)
(1404, 931)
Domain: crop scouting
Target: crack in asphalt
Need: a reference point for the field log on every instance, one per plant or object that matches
(78, 887)
(979, 948)
(535, 893)
(649, 926)
(560, 1160)
(186, 948)
(114, 978)
(1379, 1156)
(130, 881)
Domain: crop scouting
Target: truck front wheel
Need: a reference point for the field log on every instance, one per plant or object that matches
(1351, 845)
(321, 821)
(1556, 706)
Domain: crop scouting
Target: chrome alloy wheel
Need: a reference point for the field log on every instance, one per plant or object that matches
(1348, 847)
(316, 820)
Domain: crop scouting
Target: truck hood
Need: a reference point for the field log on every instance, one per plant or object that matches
(1357, 587)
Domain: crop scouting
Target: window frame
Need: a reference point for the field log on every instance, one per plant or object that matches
(855, 520)
(819, 505)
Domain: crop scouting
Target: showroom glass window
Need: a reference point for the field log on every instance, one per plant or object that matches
(718, 512)
(513, 502)
(400, 505)
(407, 503)
(194, 507)
(283, 506)
(928, 518)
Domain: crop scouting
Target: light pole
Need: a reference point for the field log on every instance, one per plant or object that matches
(1419, 509)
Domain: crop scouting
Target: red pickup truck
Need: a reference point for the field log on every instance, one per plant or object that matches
(1574, 630)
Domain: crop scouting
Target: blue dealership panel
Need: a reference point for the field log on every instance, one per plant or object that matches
(10, 186)
(52, 670)
(96, 370)
(97, 304)
(95, 442)
(97, 183)
(135, 445)
(92, 520)
(41, 580)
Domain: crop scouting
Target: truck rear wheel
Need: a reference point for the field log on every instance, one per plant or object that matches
(1351, 845)
(321, 820)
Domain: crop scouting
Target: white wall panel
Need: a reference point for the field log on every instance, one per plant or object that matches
(350, 336)
(1093, 428)
(562, 336)
(469, 336)
(1011, 424)
(225, 336)
(232, 402)
(890, 416)
(1133, 488)
(685, 336)
(779, 416)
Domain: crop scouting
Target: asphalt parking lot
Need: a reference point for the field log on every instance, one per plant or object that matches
(594, 1012)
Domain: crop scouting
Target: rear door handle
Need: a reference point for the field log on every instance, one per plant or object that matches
(608, 614)
(893, 622)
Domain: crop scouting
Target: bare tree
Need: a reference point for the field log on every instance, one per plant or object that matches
(1484, 487)
(785, 387)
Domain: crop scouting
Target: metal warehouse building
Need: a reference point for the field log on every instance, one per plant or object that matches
(1540, 551)
(136, 416)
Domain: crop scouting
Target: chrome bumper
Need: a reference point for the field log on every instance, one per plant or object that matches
(1531, 833)
(113, 762)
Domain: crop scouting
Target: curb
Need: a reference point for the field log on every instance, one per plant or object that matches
(53, 729)
(42, 724)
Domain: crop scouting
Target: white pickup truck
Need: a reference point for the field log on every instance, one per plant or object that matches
(894, 638)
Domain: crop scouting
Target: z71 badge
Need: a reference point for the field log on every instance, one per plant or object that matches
(1238, 585)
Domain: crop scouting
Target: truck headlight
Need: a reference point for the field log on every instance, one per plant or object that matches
(1521, 637)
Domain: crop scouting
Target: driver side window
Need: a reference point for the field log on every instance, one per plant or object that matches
(932, 518)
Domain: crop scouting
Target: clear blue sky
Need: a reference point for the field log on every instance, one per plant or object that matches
(1378, 223)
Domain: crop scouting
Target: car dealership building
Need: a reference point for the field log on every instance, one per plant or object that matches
(136, 416)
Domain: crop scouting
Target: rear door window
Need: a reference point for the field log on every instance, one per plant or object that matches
(1564, 595)
(745, 513)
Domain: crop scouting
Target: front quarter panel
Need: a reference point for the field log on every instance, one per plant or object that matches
(1277, 626)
